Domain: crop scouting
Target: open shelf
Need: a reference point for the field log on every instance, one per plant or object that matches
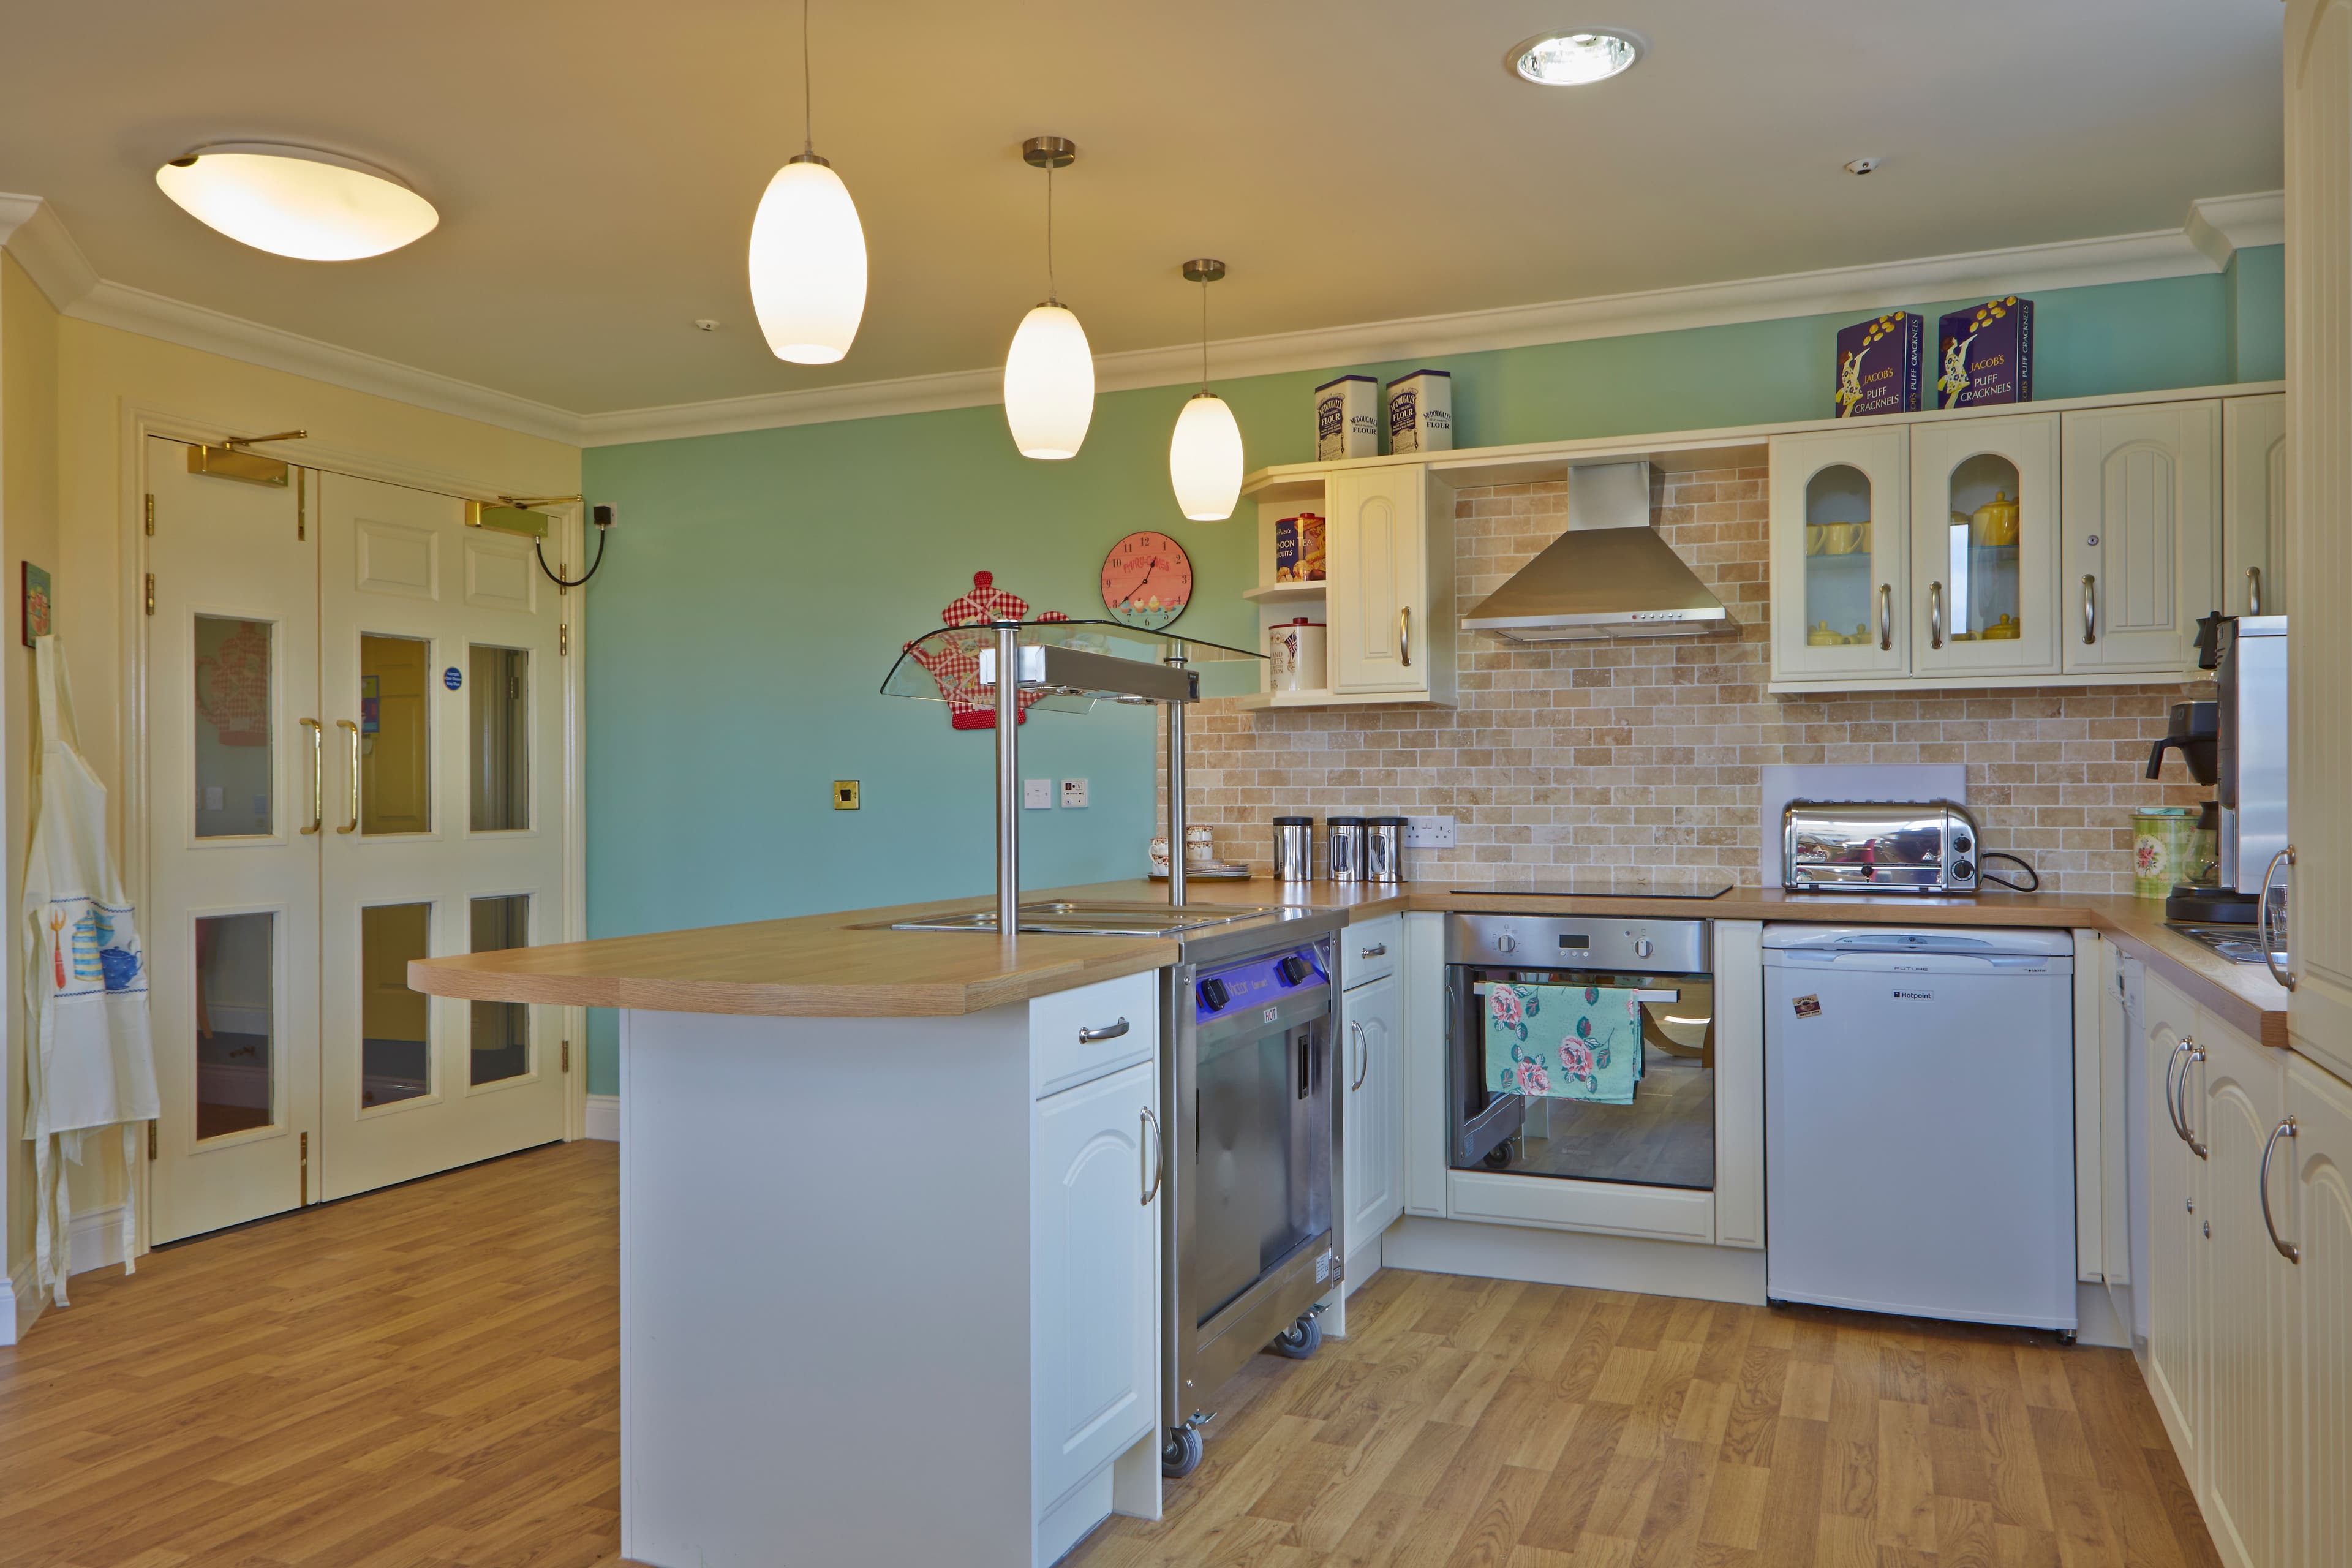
(1287, 593)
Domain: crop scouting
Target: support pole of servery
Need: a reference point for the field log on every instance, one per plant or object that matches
(1008, 779)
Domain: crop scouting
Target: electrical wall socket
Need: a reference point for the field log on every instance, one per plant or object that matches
(1036, 795)
(1428, 832)
(1074, 793)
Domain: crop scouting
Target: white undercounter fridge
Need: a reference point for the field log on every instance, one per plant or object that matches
(1919, 1121)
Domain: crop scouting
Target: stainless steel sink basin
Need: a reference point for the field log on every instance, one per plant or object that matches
(1067, 918)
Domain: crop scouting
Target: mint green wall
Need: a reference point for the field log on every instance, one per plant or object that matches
(761, 583)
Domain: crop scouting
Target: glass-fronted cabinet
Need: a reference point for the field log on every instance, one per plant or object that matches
(1839, 543)
(1984, 545)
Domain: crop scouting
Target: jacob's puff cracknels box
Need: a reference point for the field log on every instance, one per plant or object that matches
(1985, 354)
(1878, 365)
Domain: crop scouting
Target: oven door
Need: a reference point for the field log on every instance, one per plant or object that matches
(1484, 1122)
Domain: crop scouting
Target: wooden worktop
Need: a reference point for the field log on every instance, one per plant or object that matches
(825, 966)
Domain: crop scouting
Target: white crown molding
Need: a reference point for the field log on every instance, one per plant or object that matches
(2215, 228)
(2220, 226)
(2067, 264)
(31, 231)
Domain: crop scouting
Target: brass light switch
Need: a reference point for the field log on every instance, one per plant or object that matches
(845, 794)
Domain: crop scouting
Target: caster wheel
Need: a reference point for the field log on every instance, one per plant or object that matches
(1498, 1158)
(1180, 1456)
(1299, 1341)
(2065, 1336)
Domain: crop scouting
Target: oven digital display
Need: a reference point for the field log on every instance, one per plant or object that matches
(1574, 941)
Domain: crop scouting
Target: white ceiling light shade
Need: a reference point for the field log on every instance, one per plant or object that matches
(808, 251)
(1576, 58)
(296, 201)
(1204, 456)
(1049, 372)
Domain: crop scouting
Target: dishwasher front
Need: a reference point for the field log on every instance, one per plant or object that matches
(1919, 1121)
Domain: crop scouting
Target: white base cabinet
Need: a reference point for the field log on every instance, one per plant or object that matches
(1371, 1100)
(889, 1286)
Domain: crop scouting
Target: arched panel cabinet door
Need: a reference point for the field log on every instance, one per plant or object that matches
(2240, 1090)
(1841, 605)
(2141, 542)
(1984, 547)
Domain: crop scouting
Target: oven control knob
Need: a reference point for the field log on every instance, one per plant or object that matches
(1507, 943)
(1643, 947)
(1213, 994)
(1962, 844)
(1293, 969)
(1963, 871)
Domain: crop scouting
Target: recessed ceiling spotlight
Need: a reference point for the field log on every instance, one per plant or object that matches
(704, 324)
(1576, 58)
(296, 201)
(1862, 166)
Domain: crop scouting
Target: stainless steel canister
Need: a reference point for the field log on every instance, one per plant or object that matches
(1384, 848)
(1343, 847)
(1294, 849)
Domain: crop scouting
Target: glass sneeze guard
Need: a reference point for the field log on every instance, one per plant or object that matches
(945, 664)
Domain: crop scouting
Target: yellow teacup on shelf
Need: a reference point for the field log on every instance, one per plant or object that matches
(1995, 523)
(1814, 533)
(1844, 538)
(2006, 629)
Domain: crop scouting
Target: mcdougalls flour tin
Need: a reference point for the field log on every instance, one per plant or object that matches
(1421, 412)
(1347, 418)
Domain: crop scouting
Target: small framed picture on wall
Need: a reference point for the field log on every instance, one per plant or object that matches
(37, 602)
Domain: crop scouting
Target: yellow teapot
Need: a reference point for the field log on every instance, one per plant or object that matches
(1995, 523)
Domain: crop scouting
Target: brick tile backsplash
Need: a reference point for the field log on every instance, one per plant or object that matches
(1643, 755)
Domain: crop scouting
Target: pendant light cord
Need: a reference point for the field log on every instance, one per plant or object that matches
(1205, 334)
(808, 96)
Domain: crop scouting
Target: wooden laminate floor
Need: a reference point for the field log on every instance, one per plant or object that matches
(426, 1377)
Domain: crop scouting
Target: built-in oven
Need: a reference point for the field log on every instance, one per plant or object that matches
(1582, 1048)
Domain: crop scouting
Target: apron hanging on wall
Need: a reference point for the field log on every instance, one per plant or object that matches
(91, 1064)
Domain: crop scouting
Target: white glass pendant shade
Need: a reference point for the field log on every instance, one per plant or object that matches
(1049, 383)
(1204, 459)
(808, 265)
(294, 201)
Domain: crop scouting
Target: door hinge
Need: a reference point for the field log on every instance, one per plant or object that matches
(302, 1192)
(151, 592)
(151, 516)
(302, 505)
(567, 1055)
(151, 1139)
(562, 637)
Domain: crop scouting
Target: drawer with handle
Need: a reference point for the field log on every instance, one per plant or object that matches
(1075, 1036)
(1370, 948)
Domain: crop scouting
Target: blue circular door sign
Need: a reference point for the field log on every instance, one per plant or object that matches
(453, 678)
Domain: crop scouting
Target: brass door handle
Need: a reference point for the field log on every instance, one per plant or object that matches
(354, 825)
(318, 768)
(1404, 636)
(2090, 610)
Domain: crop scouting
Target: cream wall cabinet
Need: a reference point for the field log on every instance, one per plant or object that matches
(2254, 505)
(1839, 554)
(1984, 548)
(2142, 515)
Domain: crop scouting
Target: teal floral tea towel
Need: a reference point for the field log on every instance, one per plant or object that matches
(1567, 1042)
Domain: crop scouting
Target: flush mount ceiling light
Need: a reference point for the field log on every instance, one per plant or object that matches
(1204, 458)
(808, 251)
(1049, 372)
(296, 201)
(1576, 58)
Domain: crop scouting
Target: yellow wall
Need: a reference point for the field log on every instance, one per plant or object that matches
(67, 388)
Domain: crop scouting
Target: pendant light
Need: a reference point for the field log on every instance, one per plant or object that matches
(1204, 458)
(808, 251)
(1049, 372)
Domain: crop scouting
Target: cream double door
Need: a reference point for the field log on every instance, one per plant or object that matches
(354, 724)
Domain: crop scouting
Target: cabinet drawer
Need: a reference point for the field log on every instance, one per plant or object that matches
(1060, 1054)
(1370, 948)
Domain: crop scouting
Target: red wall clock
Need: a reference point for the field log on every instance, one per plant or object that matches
(1147, 580)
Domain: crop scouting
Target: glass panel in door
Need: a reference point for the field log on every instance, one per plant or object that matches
(234, 758)
(1980, 601)
(1839, 587)
(501, 1030)
(236, 988)
(396, 735)
(498, 775)
(395, 1023)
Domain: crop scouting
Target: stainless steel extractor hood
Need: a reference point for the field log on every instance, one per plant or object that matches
(1610, 575)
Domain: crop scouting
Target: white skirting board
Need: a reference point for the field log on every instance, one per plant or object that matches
(93, 1240)
(2095, 1322)
(603, 1118)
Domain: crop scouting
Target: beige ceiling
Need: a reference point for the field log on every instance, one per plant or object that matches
(596, 163)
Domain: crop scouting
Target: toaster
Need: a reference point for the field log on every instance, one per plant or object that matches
(1926, 847)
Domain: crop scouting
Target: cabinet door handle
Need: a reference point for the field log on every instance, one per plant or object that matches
(1886, 617)
(2286, 1249)
(354, 825)
(1935, 614)
(2189, 1133)
(1364, 1056)
(1107, 1032)
(1377, 950)
(1157, 1162)
(318, 774)
(2271, 953)
(2253, 590)
(2172, 1096)
(1404, 636)
(2090, 610)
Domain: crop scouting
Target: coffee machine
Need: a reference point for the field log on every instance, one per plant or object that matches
(2241, 750)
